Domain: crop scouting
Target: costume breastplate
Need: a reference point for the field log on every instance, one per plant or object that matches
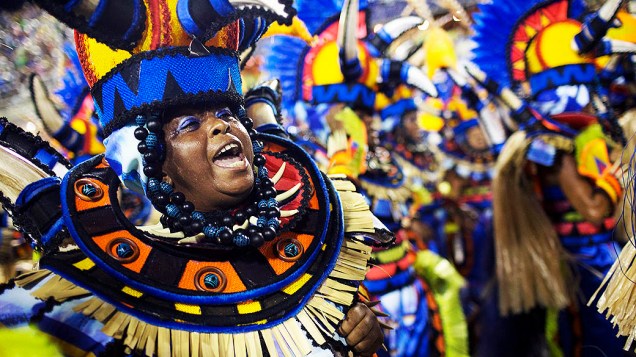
(291, 292)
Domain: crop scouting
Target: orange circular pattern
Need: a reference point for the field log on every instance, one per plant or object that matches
(199, 279)
(113, 245)
(79, 190)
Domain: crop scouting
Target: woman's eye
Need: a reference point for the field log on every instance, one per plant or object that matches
(188, 123)
(225, 114)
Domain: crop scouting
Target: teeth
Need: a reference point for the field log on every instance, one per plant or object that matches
(227, 148)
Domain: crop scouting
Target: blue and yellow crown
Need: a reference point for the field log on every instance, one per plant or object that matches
(150, 55)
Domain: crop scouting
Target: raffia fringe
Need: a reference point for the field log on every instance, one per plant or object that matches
(317, 321)
(56, 287)
(530, 269)
(357, 216)
(618, 298)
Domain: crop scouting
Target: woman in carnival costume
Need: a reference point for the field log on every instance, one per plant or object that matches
(555, 187)
(347, 100)
(615, 295)
(257, 253)
(421, 228)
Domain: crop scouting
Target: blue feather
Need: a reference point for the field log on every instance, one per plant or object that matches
(284, 60)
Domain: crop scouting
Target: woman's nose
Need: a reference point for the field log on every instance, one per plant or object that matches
(218, 126)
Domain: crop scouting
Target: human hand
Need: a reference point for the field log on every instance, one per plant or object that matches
(361, 330)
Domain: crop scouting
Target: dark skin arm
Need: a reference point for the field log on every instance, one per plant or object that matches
(361, 330)
(592, 204)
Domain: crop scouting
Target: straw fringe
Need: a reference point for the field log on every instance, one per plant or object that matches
(56, 287)
(528, 253)
(357, 217)
(618, 300)
(316, 322)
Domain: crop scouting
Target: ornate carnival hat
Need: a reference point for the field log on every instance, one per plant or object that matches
(346, 63)
(544, 44)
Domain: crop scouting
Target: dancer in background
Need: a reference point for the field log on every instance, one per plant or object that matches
(555, 181)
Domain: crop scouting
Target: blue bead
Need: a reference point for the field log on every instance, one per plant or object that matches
(89, 190)
(258, 146)
(291, 250)
(153, 186)
(262, 172)
(166, 187)
(173, 211)
(124, 250)
(210, 231)
(241, 240)
(262, 221)
(262, 204)
(198, 216)
(211, 281)
(151, 140)
(271, 203)
(140, 120)
(273, 222)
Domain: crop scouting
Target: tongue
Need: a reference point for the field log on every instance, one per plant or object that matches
(229, 161)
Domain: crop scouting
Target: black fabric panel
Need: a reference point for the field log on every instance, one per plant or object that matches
(172, 88)
(201, 12)
(253, 268)
(23, 144)
(99, 221)
(44, 210)
(308, 224)
(162, 267)
(274, 300)
(118, 103)
(130, 75)
(226, 314)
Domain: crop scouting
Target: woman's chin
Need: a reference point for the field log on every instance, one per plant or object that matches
(238, 192)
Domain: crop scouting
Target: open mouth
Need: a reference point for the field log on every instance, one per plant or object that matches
(230, 156)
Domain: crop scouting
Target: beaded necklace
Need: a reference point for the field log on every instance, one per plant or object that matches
(252, 225)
